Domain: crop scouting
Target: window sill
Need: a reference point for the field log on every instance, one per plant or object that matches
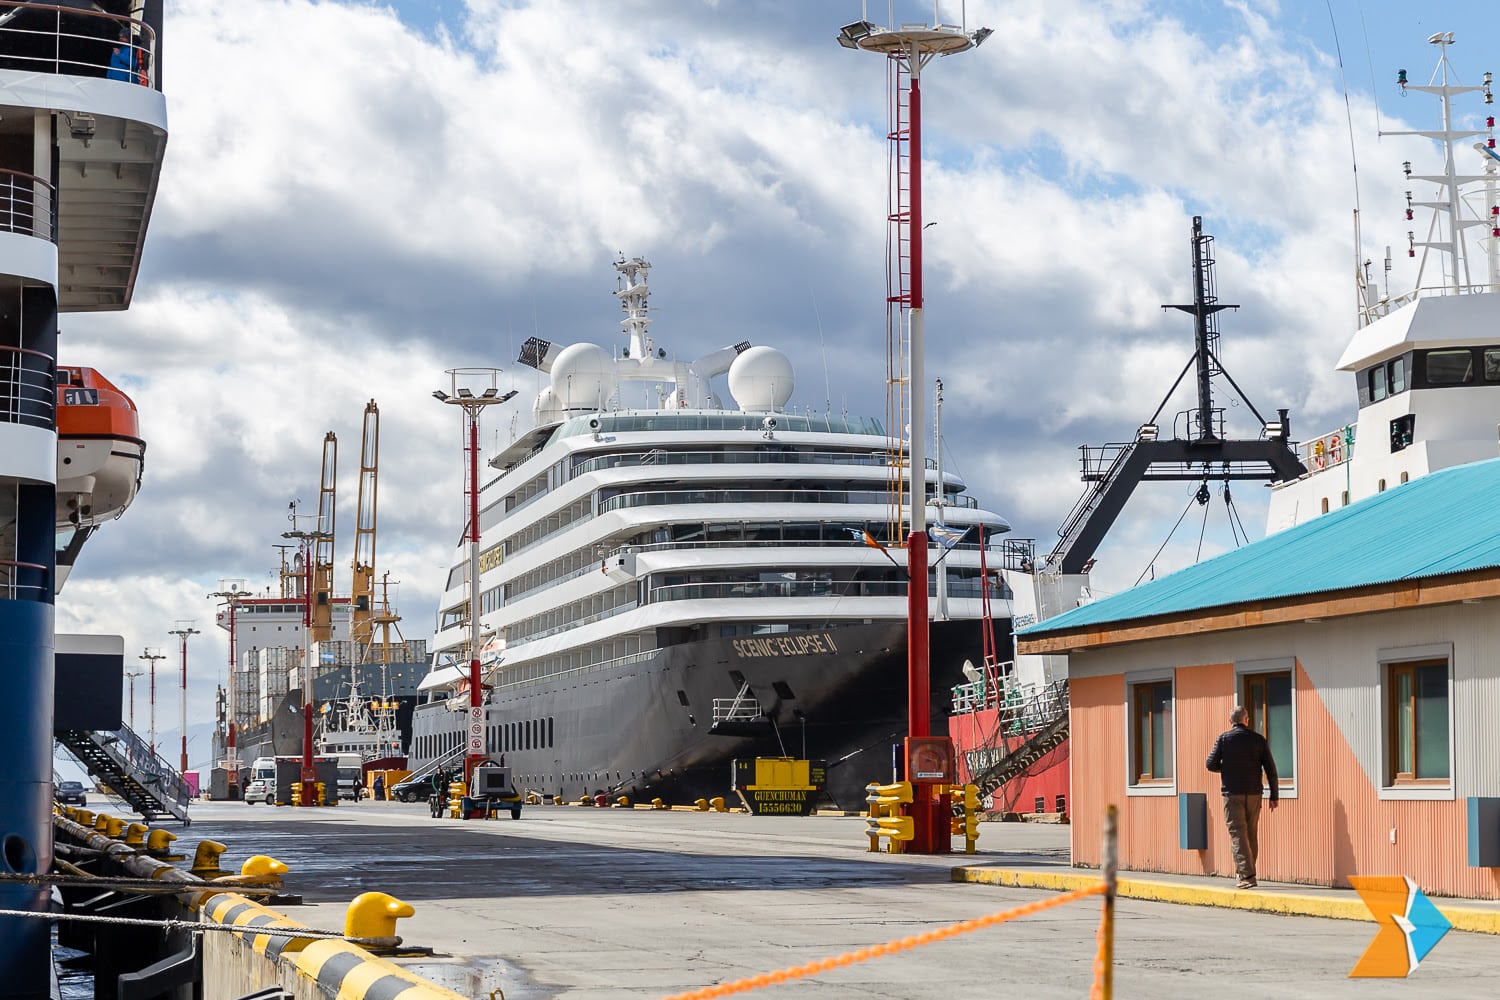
(1152, 789)
(1418, 792)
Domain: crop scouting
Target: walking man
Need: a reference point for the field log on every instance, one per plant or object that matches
(1238, 757)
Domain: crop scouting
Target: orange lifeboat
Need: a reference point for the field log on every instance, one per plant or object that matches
(100, 453)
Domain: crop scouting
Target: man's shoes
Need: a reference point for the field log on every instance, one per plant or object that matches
(1246, 883)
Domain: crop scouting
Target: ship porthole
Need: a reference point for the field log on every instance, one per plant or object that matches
(19, 857)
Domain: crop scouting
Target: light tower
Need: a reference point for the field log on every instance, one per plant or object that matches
(231, 593)
(908, 49)
(131, 675)
(183, 630)
(146, 654)
(464, 382)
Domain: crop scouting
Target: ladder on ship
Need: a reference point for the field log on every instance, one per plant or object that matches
(447, 759)
(124, 763)
(1031, 722)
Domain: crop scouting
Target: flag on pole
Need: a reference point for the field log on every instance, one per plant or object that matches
(947, 537)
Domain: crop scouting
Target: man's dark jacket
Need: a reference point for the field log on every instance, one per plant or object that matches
(1239, 756)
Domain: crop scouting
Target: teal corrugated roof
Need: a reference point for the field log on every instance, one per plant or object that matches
(1444, 522)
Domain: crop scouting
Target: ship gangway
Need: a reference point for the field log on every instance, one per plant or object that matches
(124, 763)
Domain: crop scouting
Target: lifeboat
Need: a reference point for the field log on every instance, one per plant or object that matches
(100, 456)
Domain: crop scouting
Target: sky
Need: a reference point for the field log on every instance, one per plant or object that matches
(359, 195)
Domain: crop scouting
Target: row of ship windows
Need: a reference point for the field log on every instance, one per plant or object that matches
(962, 582)
(1344, 494)
(1436, 368)
(532, 734)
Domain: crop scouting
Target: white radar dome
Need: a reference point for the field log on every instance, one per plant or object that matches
(761, 380)
(583, 377)
(546, 409)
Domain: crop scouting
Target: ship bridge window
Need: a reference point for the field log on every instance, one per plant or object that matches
(1377, 383)
(1449, 367)
(1492, 364)
(1398, 374)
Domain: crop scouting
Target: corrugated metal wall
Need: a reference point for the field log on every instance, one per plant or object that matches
(1337, 825)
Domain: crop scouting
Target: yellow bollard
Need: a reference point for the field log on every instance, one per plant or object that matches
(533, 799)
(701, 805)
(260, 869)
(717, 803)
(659, 804)
(558, 800)
(135, 834)
(83, 817)
(585, 800)
(206, 859)
(374, 915)
(114, 827)
(884, 818)
(623, 802)
(101, 821)
(160, 841)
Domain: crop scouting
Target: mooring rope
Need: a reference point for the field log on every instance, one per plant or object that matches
(195, 927)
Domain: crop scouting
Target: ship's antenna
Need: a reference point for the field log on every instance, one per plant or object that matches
(823, 350)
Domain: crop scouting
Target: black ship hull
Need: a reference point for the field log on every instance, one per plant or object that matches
(647, 729)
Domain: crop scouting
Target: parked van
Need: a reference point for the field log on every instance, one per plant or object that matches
(351, 776)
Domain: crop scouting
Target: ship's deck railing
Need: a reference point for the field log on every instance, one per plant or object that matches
(663, 456)
(1327, 450)
(797, 588)
(23, 581)
(1022, 707)
(28, 387)
(1015, 553)
(27, 206)
(69, 41)
(693, 496)
(1389, 305)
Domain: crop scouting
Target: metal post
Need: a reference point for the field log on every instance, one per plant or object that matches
(184, 630)
(131, 675)
(1109, 866)
(146, 654)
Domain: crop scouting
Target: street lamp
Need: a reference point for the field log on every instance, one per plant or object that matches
(309, 542)
(184, 629)
(463, 382)
(146, 654)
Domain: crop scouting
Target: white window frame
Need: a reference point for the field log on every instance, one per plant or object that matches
(1384, 659)
(1154, 789)
(1274, 665)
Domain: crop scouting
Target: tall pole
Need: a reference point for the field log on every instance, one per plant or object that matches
(912, 47)
(131, 675)
(146, 654)
(309, 775)
(231, 596)
(184, 630)
(464, 382)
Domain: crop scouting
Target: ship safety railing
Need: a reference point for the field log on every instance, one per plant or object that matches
(1327, 451)
(1014, 553)
(957, 589)
(27, 206)
(148, 767)
(546, 669)
(74, 41)
(28, 387)
(1023, 707)
(743, 707)
(691, 497)
(24, 581)
(661, 456)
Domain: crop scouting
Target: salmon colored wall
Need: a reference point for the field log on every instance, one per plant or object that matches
(1336, 827)
(1096, 735)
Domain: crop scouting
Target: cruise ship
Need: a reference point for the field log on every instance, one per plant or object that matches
(668, 584)
(1426, 363)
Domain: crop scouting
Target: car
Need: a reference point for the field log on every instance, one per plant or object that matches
(70, 793)
(260, 790)
(413, 789)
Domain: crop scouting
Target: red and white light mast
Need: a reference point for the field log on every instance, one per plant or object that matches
(146, 654)
(909, 48)
(183, 630)
(473, 389)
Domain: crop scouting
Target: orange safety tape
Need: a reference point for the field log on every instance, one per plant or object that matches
(889, 948)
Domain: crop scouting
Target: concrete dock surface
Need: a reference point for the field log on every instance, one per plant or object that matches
(592, 903)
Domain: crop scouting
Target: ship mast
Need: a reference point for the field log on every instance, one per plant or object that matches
(1447, 201)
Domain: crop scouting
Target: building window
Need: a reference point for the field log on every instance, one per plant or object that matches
(1325, 505)
(1268, 699)
(1151, 733)
(1417, 722)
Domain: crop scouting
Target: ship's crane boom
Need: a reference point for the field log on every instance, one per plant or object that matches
(362, 590)
(321, 629)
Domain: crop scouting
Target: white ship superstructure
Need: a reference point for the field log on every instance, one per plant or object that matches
(1427, 363)
(668, 583)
